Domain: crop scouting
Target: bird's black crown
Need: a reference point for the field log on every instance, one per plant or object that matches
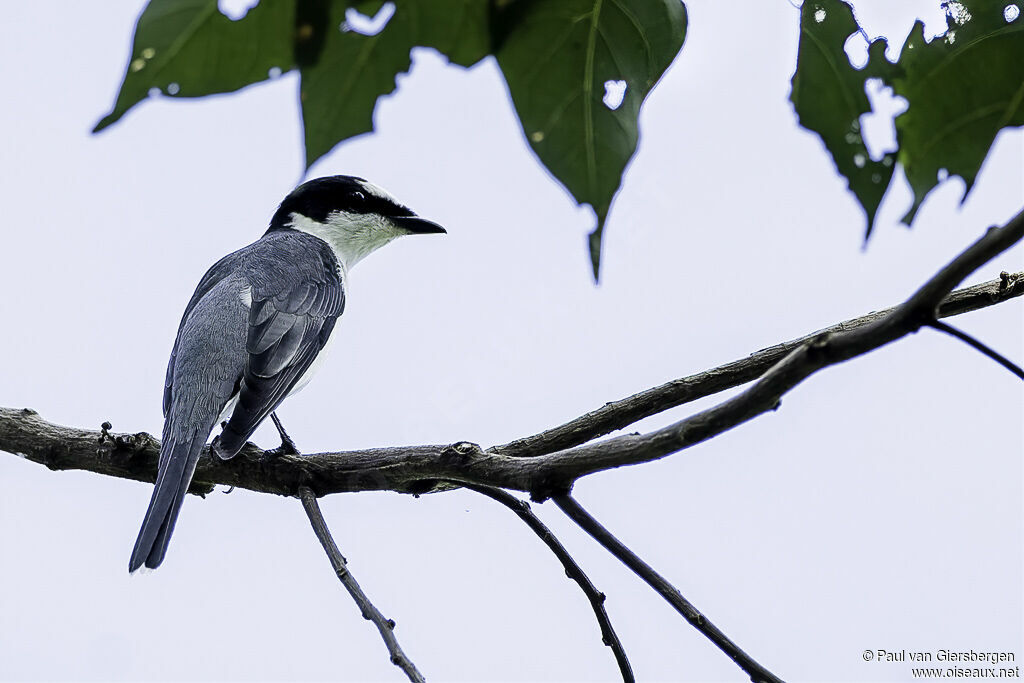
(318, 198)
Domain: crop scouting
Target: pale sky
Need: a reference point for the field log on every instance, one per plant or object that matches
(879, 508)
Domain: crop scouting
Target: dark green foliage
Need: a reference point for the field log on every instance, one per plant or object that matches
(190, 44)
(961, 89)
(828, 94)
(555, 56)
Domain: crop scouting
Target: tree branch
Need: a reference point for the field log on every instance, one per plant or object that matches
(576, 513)
(572, 570)
(975, 344)
(559, 456)
(620, 414)
(370, 613)
(418, 469)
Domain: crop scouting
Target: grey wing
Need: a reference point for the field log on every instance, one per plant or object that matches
(286, 332)
(217, 272)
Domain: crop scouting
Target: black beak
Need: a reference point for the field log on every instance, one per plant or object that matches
(417, 225)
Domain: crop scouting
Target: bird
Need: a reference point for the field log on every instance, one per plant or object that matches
(256, 329)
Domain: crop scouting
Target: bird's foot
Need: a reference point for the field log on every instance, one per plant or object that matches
(287, 446)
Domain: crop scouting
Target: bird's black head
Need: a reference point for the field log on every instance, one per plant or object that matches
(317, 199)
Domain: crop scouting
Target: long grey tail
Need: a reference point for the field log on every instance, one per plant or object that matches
(178, 458)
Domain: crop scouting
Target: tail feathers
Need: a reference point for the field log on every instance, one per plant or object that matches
(178, 460)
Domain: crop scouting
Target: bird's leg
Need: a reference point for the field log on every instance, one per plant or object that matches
(287, 446)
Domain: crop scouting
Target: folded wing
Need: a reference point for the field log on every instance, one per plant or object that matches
(287, 330)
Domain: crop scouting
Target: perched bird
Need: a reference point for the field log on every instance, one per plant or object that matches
(256, 328)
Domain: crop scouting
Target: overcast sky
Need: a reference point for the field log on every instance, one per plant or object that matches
(879, 508)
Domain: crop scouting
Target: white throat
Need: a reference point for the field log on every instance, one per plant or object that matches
(351, 236)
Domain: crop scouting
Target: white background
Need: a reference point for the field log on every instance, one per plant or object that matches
(881, 507)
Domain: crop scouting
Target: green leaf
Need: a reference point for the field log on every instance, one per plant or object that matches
(829, 98)
(339, 93)
(187, 48)
(556, 58)
(457, 29)
(962, 89)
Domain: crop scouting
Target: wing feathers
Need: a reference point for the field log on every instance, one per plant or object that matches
(254, 325)
(287, 329)
(262, 337)
(276, 358)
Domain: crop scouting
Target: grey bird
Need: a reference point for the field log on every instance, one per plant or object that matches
(256, 328)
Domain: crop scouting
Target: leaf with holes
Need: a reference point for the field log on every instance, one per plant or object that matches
(828, 95)
(556, 58)
(962, 88)
(187, 48)
(339, 92)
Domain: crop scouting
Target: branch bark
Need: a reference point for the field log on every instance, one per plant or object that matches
(572, 570)
(624, 412)
(367, 608)
(419, 469)
(546, 464)
(575, 512)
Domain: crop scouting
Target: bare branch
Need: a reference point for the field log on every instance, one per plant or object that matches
(974, 343)
(572, 570)
(554, 467)
(576, 513)
(624, 412)
(370, 613)
(418, 469)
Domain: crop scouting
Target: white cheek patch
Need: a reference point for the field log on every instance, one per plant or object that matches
(352, 236)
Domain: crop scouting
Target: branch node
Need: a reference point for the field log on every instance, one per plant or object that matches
(105, 441)
(544, 490)
(305, 481)
(460, 452)
(819, 344)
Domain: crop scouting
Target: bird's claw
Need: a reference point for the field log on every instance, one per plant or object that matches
(287, 447)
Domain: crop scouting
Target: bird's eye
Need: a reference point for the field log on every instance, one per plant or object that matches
(358, 196)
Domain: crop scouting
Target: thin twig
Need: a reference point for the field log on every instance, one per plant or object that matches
(971, 341)
(418, 468)
(576, 513)
(370, 613)
(406, 469)
(572, 570)
(619, 414)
